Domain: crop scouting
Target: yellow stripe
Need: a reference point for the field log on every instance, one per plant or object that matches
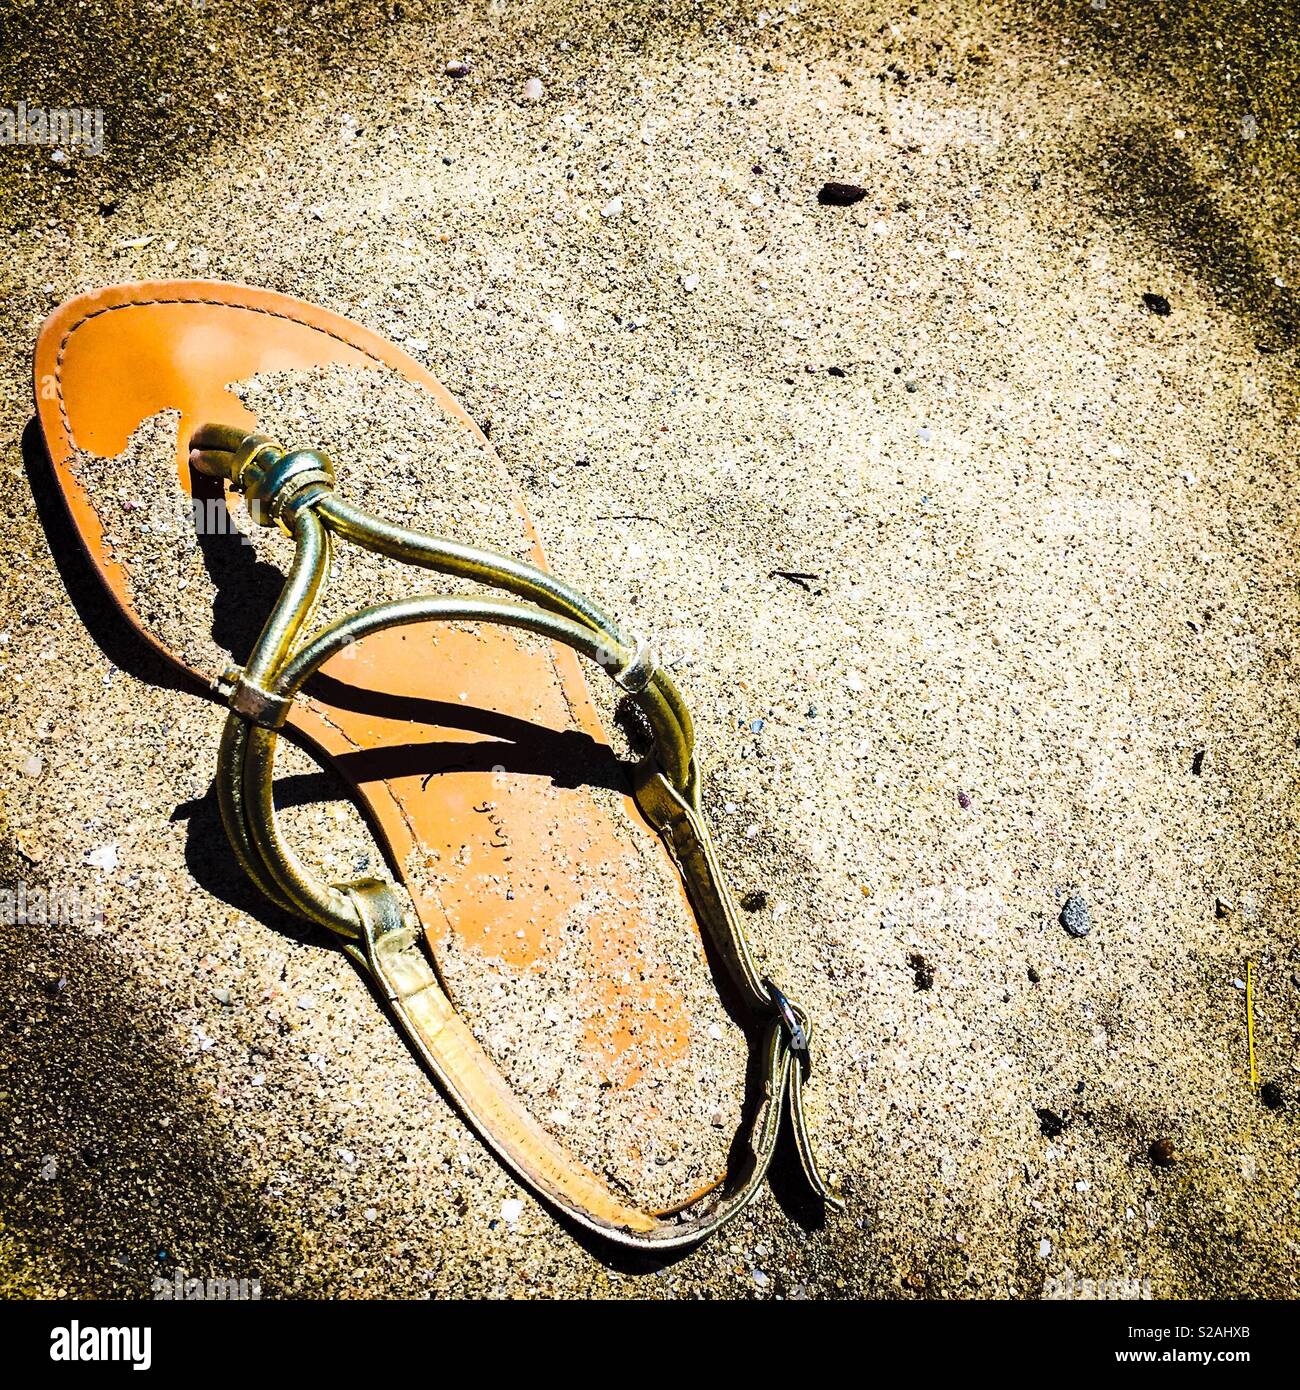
(1250, 1023)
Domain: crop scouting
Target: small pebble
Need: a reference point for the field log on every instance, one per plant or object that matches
(533, 89)
(1270, 1094)
(511, 1210)
(1074, 916)
(613, 208)
(105, 857)
(963, 800)
(458, 68)
(1157, 304)
(34, 766)
(1050, 1123)
(840, 195)
(754, 901)
(1162, 1153)
(49, 1168)
(306, 1002)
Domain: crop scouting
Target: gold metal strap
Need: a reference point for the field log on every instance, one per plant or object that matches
(294, 491)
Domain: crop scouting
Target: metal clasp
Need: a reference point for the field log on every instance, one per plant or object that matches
(785, 1012)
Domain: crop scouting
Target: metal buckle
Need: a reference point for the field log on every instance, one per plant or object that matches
(785, 1012)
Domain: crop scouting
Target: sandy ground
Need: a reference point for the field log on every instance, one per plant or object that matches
(1041, 648)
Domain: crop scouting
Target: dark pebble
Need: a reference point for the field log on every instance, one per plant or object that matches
(1162, 1153)
(1074, 916)
(754, 901)
(1050, 1123)
(1270, 1093)
(1198, 762)
(963, 800)
(835, 371)
(1157, 303)
(1221, 909)
(840, 195)
(923, 974)
(1034, 976)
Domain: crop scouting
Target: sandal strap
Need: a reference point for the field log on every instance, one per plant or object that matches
(295, 491)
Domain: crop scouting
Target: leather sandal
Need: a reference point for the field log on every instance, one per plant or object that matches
(107, 361)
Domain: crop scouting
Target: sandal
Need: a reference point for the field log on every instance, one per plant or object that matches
(107, 363)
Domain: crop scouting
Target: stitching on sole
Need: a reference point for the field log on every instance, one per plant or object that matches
(182, 299)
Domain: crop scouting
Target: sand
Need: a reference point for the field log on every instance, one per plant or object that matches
(1038, 642)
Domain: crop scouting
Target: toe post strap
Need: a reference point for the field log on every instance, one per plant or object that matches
(295, 490)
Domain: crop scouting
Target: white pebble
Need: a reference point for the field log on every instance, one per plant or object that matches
(533, 89)
(50, 1168)
(511, 1210)
(105, 857)
(613, 208)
